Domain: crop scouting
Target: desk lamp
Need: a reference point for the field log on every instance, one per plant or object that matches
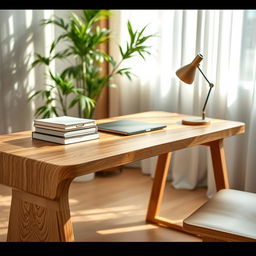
(187, 75)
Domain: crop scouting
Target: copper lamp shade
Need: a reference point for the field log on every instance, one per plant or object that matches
(187, 75)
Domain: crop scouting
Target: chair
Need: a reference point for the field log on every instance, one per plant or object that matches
(230, 215)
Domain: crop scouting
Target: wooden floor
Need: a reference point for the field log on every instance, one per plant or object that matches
(113, 208)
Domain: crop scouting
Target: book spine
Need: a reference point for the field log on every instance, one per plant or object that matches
(68, 127)
(64, 129)
(59, 140)
(67, 134)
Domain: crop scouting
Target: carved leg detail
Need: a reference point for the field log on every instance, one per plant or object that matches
(34, 218)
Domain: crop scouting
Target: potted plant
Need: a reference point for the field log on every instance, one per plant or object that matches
(81, 83)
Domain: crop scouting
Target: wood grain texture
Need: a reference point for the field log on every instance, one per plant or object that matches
(219, 164)
(38, 219)
(39, 167)
(157, 192)
(104, 208)
(40, 172)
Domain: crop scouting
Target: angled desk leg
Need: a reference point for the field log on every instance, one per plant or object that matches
(35, 218)
(219, 164)
(220, 175)
(157, 192)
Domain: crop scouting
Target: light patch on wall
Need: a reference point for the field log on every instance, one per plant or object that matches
(28, 16)
(49, 35)
(11, 25)
(29, 38)
(48, 31)
(11, 33)
(14, 68)
(16, 86)
(31, 75)
(11, 44)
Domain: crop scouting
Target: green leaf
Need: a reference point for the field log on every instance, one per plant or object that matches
(90, 14)
(46, 94)
(62, 54)
(106, 13)
(142, 56)
(142, 31)
(40, 110)
(74, 101)
(56, 21)
(53, 77)
(40, 60)
(122, 71)
(110, 60)
(121, 51)
(47, 114)
(132, 36)
(55, 42)
(34, 94)
(54, 111)
(128, 75)
(143, 39)
(72, 71)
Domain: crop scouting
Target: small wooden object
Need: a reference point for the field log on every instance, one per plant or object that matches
(196, 121)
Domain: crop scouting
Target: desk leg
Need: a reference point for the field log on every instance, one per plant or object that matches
(34, 218)
(220, 174)
(158, 191)
(219, 164)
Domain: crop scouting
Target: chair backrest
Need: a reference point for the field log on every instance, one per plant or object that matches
(230, 215)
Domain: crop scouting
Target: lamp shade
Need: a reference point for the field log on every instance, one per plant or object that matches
(187, 72)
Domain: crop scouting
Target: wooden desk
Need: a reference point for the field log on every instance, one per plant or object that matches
(40, 172)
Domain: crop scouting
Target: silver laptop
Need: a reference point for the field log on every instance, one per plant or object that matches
(129, 127)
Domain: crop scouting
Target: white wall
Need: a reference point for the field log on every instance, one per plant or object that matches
(20, 36)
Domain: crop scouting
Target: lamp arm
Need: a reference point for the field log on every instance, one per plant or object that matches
(204, 76)
(211, 85)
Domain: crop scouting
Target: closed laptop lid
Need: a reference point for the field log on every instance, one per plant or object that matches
(129, 127)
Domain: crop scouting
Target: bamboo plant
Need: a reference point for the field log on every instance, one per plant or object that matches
(81, 84)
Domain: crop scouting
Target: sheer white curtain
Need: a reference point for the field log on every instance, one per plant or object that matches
(227, 40)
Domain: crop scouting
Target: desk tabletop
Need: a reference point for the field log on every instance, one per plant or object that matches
(28, 159)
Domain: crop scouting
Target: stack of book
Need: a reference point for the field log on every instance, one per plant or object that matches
(65, 129)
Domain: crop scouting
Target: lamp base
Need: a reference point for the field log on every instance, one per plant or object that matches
(196, 121)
